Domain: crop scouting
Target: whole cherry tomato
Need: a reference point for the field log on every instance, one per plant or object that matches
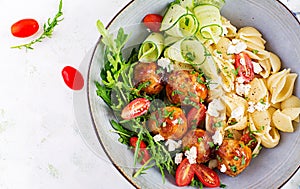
(143, 152)
(24, 28)
(135, 108)
(73, 78)
(184, 173)
(243, 64)
(153, 22)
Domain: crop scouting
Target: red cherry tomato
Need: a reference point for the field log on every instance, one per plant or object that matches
(184, 173)
(207, 176)
(196, 115)
(153, 22)
(24, 28)
(72, 78)
(135, 108)
(245, 67)
(143, 152)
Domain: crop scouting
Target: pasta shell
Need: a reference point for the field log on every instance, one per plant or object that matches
(293, 113)
(285, 88)
(258, 90)
(271, 138)
(282, 121)
(291, 102)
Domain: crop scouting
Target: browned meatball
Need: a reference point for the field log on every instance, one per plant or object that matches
(185, 86)
(201, 140)
(146, 72)
(233, 157)
(170, 122)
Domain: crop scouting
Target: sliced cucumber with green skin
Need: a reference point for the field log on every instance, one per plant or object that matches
(209, 18)
(179, 22)
(217, 3)
(189, 51)
(151, 48)
(186, 26)
(190, 4)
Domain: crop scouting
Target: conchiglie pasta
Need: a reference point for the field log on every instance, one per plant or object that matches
(273, 80)
(258, 90)
(259, 55)
(262, 121)
(226, 73)
(231, 30)
(293, 113)
(291, 102)
(271, 138)
(252, 37)
(282, 121)
(284, 89)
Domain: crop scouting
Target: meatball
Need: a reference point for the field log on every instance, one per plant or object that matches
(146, 72)
(170, 122)
(201, 140)
(184, 87)
(233, 157)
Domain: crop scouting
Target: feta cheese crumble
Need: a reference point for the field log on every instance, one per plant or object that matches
(257, 68)
(165, 63)
(214, 107)
(173, 145)
(217, 137)
(158, 138)
(178, 158)
(191, 155)
(242, 89)
(236, 47)
(223, 168)
(259, 106)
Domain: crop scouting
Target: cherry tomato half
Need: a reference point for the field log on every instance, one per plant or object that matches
(24, 28)
(184, 173)
(153, 22)
(135, 108)
(196, 115)
(207, 176)
(143, 153)
(73, 78)
(245, 67)
(249, 140)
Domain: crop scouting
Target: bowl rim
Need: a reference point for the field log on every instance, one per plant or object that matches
(95, 47)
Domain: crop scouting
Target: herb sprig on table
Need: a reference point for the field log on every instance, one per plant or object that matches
(48, 30)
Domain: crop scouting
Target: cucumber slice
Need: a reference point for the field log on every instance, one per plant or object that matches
(188, 51)
(151, 48)
(190, 4)
(217, 3)
(209, 18)
(173, 14)
(187, 25)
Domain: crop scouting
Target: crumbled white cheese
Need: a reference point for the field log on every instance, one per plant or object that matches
(191, 155)
(240, 80)
(262, 106)
(214, 107)
(242, 89)
(251, 107)
(165, 63)
(158, 138)
(173, 145)
(236, 47)
(223, 168)
(217, 137)
(237, 113)
(257, 68)
(225, 31)
(259, 106)
(178, 158)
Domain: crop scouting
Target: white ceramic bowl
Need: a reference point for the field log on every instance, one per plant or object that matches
(273, 167)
